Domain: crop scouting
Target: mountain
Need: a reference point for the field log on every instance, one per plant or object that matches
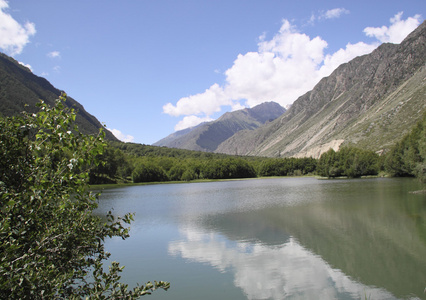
(19, 86)
(171, 138)
(208, 136)
(369, 102)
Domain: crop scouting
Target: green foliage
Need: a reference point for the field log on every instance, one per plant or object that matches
(407, 157)
(147, 171)
(113, 164)
(348, 161)
(188, 175)
(287, 166)
(141, 150)
(151, 163)
(227, 168)
(176, 172)
(51, 244)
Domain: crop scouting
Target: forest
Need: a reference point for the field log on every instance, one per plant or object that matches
(142, 163)
(128, 162)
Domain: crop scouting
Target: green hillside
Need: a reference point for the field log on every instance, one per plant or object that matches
(20, 90)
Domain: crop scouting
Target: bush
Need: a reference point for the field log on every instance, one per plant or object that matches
(51, 244)
(348, 161)
(407, 157)
(227, 169)
(148, 172)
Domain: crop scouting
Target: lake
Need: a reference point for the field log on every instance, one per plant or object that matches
(278, 238)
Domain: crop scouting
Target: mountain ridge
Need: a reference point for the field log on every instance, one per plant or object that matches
(357, 104)
(20, 87)
(208, 136)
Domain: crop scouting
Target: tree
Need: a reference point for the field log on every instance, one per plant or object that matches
(408, 156)
(176, 172)
(51, 244)
(148, 171)
(348, 161)
(114, 166)
(227, 168)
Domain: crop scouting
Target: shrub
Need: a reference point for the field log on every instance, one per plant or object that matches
(51, 244)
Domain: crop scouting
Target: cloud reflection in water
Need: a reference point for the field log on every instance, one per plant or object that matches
(287, 271)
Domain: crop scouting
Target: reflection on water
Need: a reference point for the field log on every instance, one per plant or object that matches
(287, 271)
(276, 239)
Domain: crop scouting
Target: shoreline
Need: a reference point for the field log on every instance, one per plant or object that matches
(119, 185)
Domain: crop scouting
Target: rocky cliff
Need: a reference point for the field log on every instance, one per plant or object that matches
(370, 102)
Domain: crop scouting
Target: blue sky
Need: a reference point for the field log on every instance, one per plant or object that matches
(148, 68)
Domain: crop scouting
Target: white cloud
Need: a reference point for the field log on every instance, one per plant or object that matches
(237, 106)
(332, 61)
(397, 31)
(54, 54)
(121, 136)
(284, 68)
(207, 103)
(334, 13)
(191, 121)
(25, 65)
(13, 36)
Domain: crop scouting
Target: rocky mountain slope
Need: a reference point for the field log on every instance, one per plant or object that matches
(208, 136)
(370, 102)
(19, 86)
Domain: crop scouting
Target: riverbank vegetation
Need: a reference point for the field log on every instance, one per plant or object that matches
(408, 156)
(127, 162)
(142, 163)
(348, 161)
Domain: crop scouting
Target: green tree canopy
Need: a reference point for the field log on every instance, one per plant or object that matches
(348, 161)
(407, 157)
(51, 244)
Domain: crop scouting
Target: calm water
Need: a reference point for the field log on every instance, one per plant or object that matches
(289, 238)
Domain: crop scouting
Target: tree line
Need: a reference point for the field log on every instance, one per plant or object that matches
(151, 164)
(136, 163)
(405, 159)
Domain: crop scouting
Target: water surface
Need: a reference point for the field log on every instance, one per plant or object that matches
(285, 238)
